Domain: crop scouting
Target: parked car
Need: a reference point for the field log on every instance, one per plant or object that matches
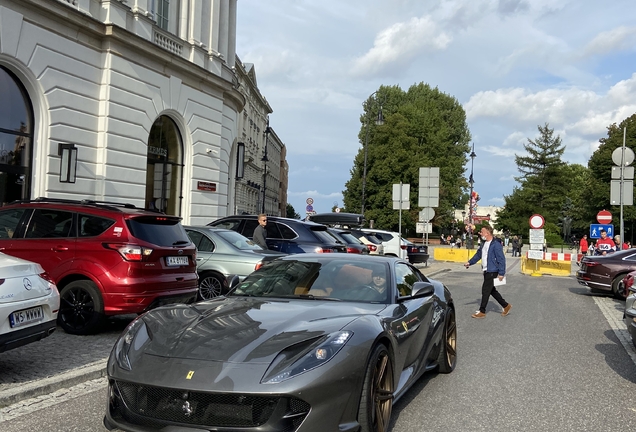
(29, 303)
(373, 243)
(304, 344)
(105, 258)
(391, 241)
(417, 254)
(353, 244)
(221, 253)
(285, 235)
(605, 273)
(630, 306)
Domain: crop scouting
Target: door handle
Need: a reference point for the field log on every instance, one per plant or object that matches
(60, 249)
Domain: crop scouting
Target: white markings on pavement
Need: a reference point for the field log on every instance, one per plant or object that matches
(29, 406)
(615, 319)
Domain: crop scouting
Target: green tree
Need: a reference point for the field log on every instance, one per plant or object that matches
(423, 127)
(291, 212)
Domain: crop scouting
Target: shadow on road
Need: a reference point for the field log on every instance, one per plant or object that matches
(615, 358)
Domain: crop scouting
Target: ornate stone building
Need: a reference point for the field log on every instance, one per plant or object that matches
(123, 100)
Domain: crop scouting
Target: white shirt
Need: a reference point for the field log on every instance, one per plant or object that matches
(484, 255)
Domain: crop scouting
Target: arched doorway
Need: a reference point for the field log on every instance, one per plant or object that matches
(165, 163)
(16, 139)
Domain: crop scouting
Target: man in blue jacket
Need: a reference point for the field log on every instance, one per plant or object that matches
(493, 264)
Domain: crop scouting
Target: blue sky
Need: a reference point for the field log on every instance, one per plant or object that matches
(512, 64)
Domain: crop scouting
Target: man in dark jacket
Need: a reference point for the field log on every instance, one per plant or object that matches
(493, 264)
(260, 232)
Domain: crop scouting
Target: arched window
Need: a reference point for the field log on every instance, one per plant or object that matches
(16, 139)
(165, 163)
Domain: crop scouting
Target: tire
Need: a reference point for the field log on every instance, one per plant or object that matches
(81, 308)
(376, 400)
(447, 358)
(617, 287)
(211, 285)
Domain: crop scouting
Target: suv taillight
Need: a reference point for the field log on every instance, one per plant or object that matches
(129, 252)
(372, 248)
(322, 250)
(403, 247)
(353, 250)
(258, 265)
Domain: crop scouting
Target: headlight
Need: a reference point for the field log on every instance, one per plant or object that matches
(301, 358)
(131, 340)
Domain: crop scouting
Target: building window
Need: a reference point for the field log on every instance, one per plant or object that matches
(16, 139)
(163, 7)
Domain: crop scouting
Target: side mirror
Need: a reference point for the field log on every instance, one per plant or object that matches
(232, 281)
(422, 289)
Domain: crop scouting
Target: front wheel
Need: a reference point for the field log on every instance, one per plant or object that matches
(448, 351)
(211, 285)
(376, 401)
(81, 308)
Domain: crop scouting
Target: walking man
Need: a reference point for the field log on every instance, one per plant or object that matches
(259, 232)
(493, 264)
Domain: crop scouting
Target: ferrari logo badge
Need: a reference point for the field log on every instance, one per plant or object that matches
(190, 375)
(406, 327)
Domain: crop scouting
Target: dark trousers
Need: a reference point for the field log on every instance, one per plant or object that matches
(488, 289)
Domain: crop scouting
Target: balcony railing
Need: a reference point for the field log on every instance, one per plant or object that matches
(168, 42)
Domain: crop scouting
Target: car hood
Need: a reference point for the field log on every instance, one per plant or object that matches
(244, 329)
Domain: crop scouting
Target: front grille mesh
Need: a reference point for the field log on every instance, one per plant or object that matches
(157, 407)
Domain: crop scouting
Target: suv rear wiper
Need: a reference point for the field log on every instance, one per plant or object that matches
(180, 242)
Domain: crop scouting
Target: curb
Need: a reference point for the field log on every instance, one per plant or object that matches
(56, 382)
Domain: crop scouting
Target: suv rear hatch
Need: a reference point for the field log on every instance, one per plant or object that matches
(329, 243)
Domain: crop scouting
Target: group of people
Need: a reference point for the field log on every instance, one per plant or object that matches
(603, 246)
(453, 241)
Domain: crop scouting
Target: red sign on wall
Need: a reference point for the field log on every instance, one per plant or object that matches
(206, 186)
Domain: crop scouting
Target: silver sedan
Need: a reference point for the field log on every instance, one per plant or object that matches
(222, 252)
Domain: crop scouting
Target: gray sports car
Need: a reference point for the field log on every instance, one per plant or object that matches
(221, 253)
(309, 342)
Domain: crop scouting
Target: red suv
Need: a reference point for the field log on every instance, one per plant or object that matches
(106, 258)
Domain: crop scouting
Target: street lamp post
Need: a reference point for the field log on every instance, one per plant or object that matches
(265, 159)
(379, 122)
(471, 180)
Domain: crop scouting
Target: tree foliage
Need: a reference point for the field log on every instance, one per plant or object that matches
(291, 212)
(423, 127)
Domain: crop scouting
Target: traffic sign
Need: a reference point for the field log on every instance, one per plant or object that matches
(536, 221)
(426, 214)
(309, 201)
(604, 217)
(309, 208)
(595, 230)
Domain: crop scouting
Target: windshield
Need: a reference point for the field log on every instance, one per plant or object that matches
(349, 238)
(238, 241)
(319, 279)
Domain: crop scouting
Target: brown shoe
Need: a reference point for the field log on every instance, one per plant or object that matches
(506, 310)
(479, 314)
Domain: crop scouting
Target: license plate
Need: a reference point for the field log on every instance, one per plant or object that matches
(27, 316)
(177, 260)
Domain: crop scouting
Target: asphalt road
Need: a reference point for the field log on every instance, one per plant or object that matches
(553, 364)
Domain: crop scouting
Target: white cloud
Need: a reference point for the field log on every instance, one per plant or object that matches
(617, 39)
(399, 44)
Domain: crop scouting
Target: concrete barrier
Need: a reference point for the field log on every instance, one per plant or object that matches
(454, 255)
(535, 267)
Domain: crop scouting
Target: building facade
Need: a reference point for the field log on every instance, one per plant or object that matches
(121, 100)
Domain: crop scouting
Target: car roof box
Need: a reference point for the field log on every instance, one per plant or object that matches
(338, 219)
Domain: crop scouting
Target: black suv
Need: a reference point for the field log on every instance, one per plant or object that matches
(285, 235)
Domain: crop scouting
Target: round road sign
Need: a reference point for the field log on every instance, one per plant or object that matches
(536, 221)
(309, 208)
(309, 201)
(623, 157)
(604, 217)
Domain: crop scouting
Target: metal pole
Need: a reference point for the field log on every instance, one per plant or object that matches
(364, 173)
(470, 200)
(400, 226)
(622, 181)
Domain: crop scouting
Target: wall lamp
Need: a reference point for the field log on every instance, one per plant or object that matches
(68, 162)
(240, 160)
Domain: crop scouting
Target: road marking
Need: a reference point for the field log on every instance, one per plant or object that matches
(615, 319)
(28, 406)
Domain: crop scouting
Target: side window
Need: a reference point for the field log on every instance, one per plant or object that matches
(231, 224)
(202, 242)
(405, 277)
(9, 220)
(273, 231)
(91, 226)
(286, 232)
(46, 223)
(249, 227)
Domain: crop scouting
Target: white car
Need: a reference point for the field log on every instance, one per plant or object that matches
(374, 244)
(391, 242)
(29, 303)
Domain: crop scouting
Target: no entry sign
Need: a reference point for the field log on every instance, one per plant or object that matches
(604, 217)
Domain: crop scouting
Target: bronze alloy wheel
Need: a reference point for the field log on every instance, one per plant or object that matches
(210, 286)
(376, 401)
(448, 352)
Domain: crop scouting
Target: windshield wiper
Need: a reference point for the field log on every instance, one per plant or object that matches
(313, 297)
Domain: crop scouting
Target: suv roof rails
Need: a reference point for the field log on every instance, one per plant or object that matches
(104, 204)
